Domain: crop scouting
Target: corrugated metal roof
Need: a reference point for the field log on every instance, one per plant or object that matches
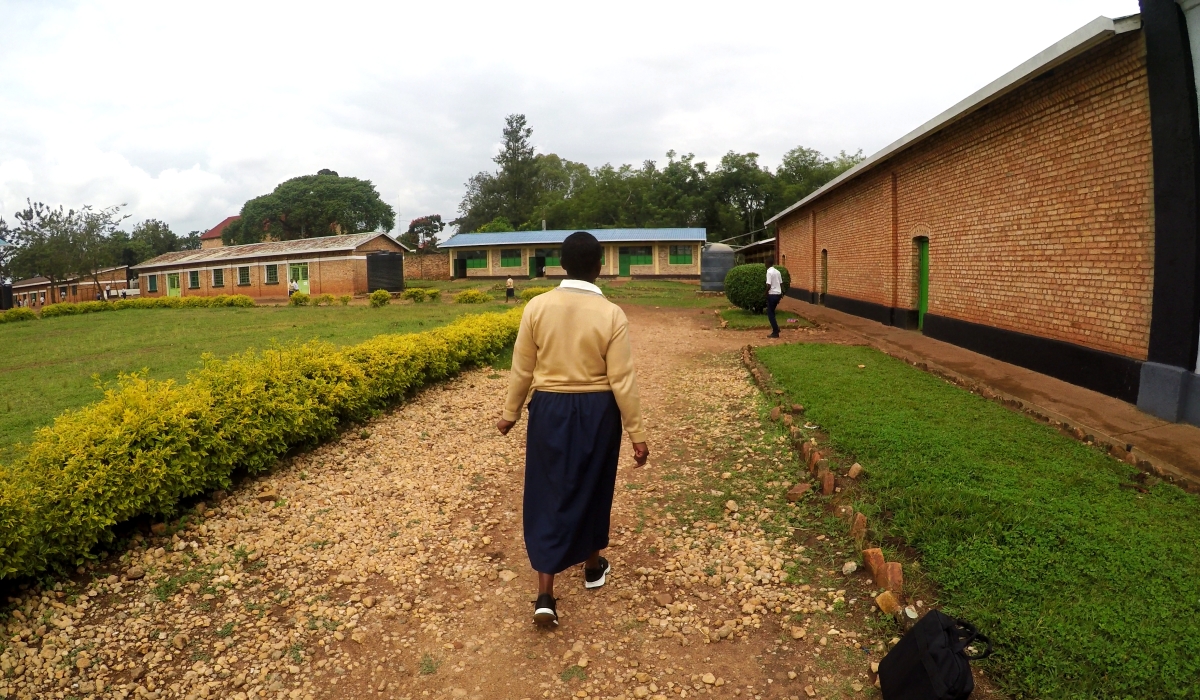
(323, 244)
(604, 235)
(30, 282)
(1078, 42)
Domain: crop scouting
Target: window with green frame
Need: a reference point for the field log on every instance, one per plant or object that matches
(680, 255)
(193, 279)
(510, 257)
(152, 283)
(639, 254)
(272, 274)
(243, 275)
(475, 258)
(551, 255)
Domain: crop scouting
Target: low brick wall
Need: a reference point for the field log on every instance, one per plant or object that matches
(427, 267)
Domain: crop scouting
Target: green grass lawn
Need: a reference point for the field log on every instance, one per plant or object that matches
(740, 319)
(50, 363)
(1087, 588)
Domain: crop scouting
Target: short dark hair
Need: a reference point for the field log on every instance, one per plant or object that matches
(581, 254)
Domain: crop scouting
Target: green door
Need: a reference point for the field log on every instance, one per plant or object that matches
(299, 275)
(533, 267)
(923, 281)
(623, 262)
(172, 284)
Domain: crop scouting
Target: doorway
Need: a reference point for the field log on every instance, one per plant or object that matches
(172, 284)
(623, 262)
(922, 245)
(299, 275)
(460, 268)
(824, 275)
(537, 266)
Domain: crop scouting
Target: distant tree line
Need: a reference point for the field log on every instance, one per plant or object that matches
(732, 199)
(60, 244)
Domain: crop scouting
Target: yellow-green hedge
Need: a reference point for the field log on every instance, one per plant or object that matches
(91, 307)
(531, 292)
(147, 444)
(15, 314)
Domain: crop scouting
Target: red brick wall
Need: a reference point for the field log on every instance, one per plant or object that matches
(1038, 209)
(329, 274)
(427, 267)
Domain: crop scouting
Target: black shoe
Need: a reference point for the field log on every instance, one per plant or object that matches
(594, 578)
(544, 610)
(773, 335)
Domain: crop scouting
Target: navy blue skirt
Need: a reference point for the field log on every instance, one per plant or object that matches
(571, 451)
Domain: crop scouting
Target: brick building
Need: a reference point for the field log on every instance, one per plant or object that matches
(212, 237)
(628, 252)
(36, 292)
(1048, 220)
(352, 264)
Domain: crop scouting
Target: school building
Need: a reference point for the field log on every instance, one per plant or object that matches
(1049, 220)
(36, 292)
(628, 252)
(353, 264)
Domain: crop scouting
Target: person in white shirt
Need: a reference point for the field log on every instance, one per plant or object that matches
(293, 287)
(774, 294)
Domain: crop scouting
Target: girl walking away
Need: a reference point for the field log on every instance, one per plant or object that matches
(573, 350)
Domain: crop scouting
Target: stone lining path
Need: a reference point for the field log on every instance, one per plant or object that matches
(390, 565)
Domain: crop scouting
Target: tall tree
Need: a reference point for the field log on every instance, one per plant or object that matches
(513, 191)
(7, 250)
(91, 245)
(311, 206)
(422, 233)
(43, 239)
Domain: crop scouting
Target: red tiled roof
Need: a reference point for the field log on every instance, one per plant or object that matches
(216, 231)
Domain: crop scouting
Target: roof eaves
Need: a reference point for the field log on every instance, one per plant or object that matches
(1080, 41)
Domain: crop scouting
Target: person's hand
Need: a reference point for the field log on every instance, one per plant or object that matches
(505, 425)
(641, 452)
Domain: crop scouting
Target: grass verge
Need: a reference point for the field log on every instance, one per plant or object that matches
(1088, 589)
(57, 363)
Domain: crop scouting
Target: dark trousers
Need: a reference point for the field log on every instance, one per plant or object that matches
(772, 302)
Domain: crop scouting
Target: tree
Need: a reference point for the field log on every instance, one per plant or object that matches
(513, 191)
(91, 246)
(496, 225)
(43, 240)
(7, 250)
(744, 186)
(311, 206)
(422, 233)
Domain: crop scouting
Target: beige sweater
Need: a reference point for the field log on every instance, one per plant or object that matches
(575, 341)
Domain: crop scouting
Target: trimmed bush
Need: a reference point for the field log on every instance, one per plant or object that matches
(344, 299)
(531, 292)
(17, 314)
(147, 444)
(414, 294)
(380, 297)
(746, 286)
(298, 299)
(433, 294)
(471, 296)
(326, 299)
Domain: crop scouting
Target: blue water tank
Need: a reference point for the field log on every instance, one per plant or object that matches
(715, 262)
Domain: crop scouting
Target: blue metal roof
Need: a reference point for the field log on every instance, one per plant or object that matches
(604, 235)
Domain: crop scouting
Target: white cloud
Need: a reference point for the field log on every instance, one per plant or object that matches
(185, 112)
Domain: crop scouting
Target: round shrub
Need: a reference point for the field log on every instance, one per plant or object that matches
(414, 294)
(746, 286)
(380, 297)
(240, 300)
(299, 299)
(531, 292)
(433, 294)
(471, 296)
(17, 314)
(326, 299)
(344, 299)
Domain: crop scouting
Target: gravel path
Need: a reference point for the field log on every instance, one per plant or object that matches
(390, 564)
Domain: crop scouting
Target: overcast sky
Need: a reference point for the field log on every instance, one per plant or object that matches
(182, 111)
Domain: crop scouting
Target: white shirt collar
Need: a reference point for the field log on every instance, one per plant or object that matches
(580, 284)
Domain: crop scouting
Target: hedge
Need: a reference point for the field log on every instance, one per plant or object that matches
(420, 294)
(531, 292)
(746, 286)
(298, 299)
(380, 297)
(472, 296)
(91, 307)
(147, 444)
(17, 314)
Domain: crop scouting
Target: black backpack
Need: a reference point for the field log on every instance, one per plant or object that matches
(931, 662)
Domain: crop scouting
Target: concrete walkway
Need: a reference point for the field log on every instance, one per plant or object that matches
(1171, 447)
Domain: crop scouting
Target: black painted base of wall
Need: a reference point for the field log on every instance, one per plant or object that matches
(887, 315)
(1097, 370)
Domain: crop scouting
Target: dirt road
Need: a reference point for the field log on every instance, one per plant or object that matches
(390, 564)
